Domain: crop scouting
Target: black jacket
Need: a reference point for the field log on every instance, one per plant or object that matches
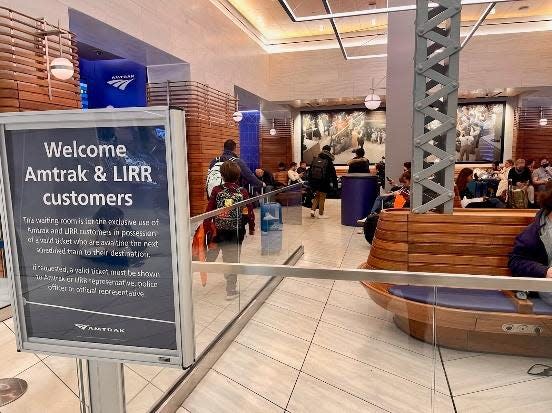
(359, 165)
(529, 257)
(331, 176)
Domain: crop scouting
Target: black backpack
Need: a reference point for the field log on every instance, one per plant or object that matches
(318, 171)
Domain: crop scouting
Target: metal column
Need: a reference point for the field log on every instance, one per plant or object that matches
(435, 104)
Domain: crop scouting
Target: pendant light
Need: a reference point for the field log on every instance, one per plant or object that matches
(372, 101)
(543, 121)
(60, 67)
(273, 130)
(237, 116)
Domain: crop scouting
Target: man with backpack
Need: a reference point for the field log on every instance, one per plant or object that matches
(229, 226)
(214, 177)
(322, 176)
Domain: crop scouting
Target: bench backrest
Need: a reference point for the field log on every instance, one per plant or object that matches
(470, 241)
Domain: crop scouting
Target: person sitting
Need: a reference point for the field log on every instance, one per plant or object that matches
(293, 175)
(387, 200)
(407, 166)
(302, 170)
(467, 197)
(542, 175)
(359, 164)
(266, 176)
(502, 190)
(281, 176)
(520, 179)
(532, 252)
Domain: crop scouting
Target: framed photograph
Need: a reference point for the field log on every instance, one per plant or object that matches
(344, 130)
(480, 132)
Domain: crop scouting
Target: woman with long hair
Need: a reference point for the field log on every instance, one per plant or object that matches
(468, 198)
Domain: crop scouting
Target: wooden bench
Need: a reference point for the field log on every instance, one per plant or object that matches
(470, 241)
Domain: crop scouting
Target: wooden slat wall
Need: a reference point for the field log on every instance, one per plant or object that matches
(532, 141)
(23, 65)
(276, 149)
(208, 124)
(24, 71)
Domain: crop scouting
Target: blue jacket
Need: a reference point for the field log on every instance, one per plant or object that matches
(529, 257)
(246, 175)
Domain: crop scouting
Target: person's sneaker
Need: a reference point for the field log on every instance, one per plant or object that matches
(312, 214)
(323, 217)
(232, 295)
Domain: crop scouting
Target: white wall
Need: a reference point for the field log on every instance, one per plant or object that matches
(219, 53)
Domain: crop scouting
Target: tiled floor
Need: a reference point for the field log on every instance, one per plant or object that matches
(314, 346)
(324, 346)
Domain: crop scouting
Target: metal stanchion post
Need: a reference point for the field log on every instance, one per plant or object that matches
(106, 387)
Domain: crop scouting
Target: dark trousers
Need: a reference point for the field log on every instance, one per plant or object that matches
(229, 243)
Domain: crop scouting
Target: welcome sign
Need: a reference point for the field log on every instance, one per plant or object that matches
(91, 213)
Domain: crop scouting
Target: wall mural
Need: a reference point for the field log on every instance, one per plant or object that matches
(344, 131)
(480, 132)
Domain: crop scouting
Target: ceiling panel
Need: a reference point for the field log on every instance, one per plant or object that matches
(269, 18)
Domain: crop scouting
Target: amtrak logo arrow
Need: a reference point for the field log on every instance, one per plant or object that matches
(82, 326)
(120, 84)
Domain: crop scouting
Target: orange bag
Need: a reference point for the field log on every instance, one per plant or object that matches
(400, 201)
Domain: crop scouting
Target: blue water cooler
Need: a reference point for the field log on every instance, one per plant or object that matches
(271, 228)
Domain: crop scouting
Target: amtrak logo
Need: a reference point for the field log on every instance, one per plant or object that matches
(120, 81)
(86, 327)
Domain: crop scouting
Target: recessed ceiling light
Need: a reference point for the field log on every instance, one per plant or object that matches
(523, 8)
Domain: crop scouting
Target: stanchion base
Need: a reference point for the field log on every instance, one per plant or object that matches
(11, 389)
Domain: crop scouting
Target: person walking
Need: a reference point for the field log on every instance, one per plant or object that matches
(229, 225)
(322, 177)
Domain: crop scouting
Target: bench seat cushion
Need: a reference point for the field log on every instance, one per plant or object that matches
(541, 307)
(465, 299)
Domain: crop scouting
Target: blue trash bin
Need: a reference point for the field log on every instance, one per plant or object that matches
(358, 193)
(271, 228)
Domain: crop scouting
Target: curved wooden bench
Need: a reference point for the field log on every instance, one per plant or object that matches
(470, 241)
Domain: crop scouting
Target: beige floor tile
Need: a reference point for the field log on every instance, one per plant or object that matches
(259, 373)
(13, 362)
(225, 317)
(358, 304)
(45, 394)
(278, 345)
(218, 394)
(310, 392)
(147, 372)
(296, 303)
(9, 324)
(205, 312)
(293, 323)
(66, 369)
(145, 400)
(305, 290)
(493, 370)
(449, 354)
(375, 328)
(407, 364)
(205, 338)
(380, 388)
(134, 384)
(532, 396)
(167, 378)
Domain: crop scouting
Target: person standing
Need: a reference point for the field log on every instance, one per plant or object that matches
(229, 153)
(322, 177)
